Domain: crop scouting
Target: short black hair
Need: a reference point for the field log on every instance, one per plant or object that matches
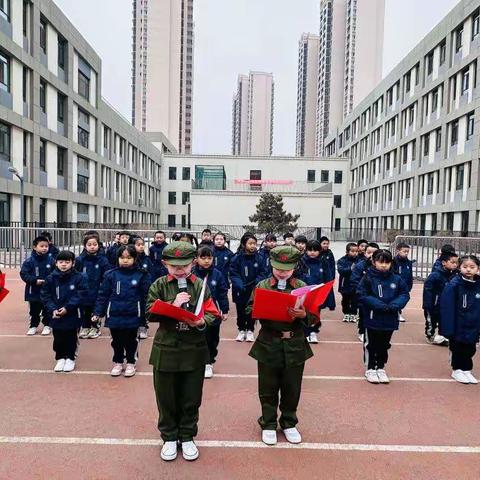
(362, 241)
(473, 258)
(130, 249)
(220, 234)
(65, 255)
(206, 230)
(447, 248)
(444, 257)
(313, 245)
(288, 235)
(124, 232)
(402, 245)
(373, 245)
(161, 232)
(382, 255)
(91, 232)
(92, 236)
(324, 239)
(47, 235)
(204, 252)
(270, 237)
(136, 239)
(301, 239)
(350, 245)
(40, 238)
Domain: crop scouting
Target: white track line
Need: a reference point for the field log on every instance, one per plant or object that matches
(152, 442)
(224, 375)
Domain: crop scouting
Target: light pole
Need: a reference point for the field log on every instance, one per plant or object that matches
(22, 210)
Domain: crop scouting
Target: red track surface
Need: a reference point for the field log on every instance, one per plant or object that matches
(73, 413)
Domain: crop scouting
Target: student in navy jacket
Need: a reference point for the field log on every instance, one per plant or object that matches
(345, 267)
(460, 317)
(222, 256)
(53, 250)
(94, 265)
(382, 295)
(312, 272)
(432, 290)
(63, 295)
(447, 248)
(362, 248)
(112, 251)
(246, 270)
(264, 251)
(327, 256)
(143, 262)
(155, 254)
(219, 291)
(35, 269)
(403, 266)
(121, 300)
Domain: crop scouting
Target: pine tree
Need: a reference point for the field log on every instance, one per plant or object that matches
(271, 217)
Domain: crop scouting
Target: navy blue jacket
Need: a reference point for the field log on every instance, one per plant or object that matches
(53, 251)
(144, 262)
(265, 256)
(245, 272)
(403, 266)
(94, 268)
(122, 297)
(112, 254)
(382, 295)
(460, 310)
(68, 290)
(217, 285)
(155, 254)
(329, 268)
(437, 264)
(221, 261)
(345, 267)
(358, 272)
(433, 288)
(36, 267)
(314, 271)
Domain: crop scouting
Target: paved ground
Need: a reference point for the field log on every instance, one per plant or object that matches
(87, 425)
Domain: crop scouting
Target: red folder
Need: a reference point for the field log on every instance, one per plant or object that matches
(179, 314)
(2, 280)
(273, 305)
(3, 293)
(317, 296)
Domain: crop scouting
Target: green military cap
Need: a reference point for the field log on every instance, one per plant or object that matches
(284, 257)
(179, 253)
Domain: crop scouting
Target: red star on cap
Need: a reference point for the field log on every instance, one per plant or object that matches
(283, 258)
(178, 253)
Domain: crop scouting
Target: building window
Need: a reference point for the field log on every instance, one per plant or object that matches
(430, 179)
(62, 53)
(430, 63)
(338, 223)
(83, 85)
(43, 35)
(82, 184)
(435, 100)
(184, 221)
(43, 96)
(310, 175)
(4, 142)
(82, 209)
(60, 108)
(470, 125)
(438, 140)
(337, 201)
(465, 81)
(25, 147)
(443, 52)
(83, 137)
(324, 176)
(84, 117)
(338, 176)
(454, 127)
(172, 173)
(458, 39)
(475, 25)
(61, 154)
(186, 173)
(460, 177)
(185, 198)
(171, 221)
(25, 84)
(5, 9)
(43, 153)
(172, 198)
(4, 72)
(426, 144)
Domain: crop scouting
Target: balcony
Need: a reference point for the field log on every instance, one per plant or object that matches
(262, 186)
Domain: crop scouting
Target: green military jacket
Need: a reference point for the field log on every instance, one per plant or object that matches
(275, 351)
(179, 350)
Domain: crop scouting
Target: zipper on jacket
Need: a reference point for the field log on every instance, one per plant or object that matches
(246, 271)
(37, 271)
(108, 309)
(436, 299)
(118, 287)
(400, 270)
(58, 293)
(138, 308)
(85, 269)
(380, 291)
(464, 300)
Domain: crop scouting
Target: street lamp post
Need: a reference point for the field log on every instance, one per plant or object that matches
(22, 211)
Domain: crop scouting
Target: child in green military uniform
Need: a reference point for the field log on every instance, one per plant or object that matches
(281, 351)
(179, 351)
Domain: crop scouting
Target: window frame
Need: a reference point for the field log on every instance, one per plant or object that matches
(86, 81)
(324, 176)
(82, 181)
(310, 177)
(186, 173)
(6, 72)
(6, 141)
(172, 198)
(43, 96)
(43, 35)
(43, 155)
(172, 173)
(83, 134)
(61, 161)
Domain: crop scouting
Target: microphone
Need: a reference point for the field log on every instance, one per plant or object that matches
(282, 284)
(182, 286)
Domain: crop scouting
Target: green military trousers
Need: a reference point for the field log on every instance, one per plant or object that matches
(273, 381)
(179, 396)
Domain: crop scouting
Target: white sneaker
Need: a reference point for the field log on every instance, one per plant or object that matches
(59, 366)
(250, 338)
(307, 338)
(346, 318)
(142, 333)
(439, 340)
(130, 370)
(371, 376)
(360, 337)
(94, 333)
(169, 451)
(401, 318)
(208, 371)
(117, 369)
(240, 336)
(69, 365)
(32, 331)
(269, 437)
(382, 376)
(84, 333)
(471, 378)
(459, 376)
(189, 450)
(46, 330)
(313, 338)
(355, 319)
(292, 435)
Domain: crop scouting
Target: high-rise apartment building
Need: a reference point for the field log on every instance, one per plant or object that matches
(350, 59)
(307, 94)
(252, 130)
(162, 69)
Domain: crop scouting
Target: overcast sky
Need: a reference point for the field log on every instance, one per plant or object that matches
(232, 37)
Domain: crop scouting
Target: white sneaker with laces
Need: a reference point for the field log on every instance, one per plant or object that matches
(46, 330)
(169, 451)
(32, 331)
(84, 332)
(382, 376)
(69, 365)
(142, 333)
(269, 437)
(355, 318)
(117, 369)
(307, 338)
(360, 337)
(59, 366)
(240, 336)
(94, 333)
(208, 371)
(471, 378)
(439, 340)
(292, 435)
(346, 318)
(249, 338)
(189, 450)
(130, 370)
(401, 318)
(371, 376)
(313, 338)
(459, 376)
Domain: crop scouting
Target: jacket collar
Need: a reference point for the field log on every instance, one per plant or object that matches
(191, 278)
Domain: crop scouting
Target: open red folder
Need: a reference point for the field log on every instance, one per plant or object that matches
(3, 293)
(2, 279)
(179, 314)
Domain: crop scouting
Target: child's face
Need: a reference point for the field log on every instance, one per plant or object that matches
(269, 244)
(251, 245)
(179, 271)
(403, 252)
(325, 245)
(469, 268)
(92, 246)
(64, 265)
(282, 274)
(370, 251)
(313, 253)
(140, 246)
(41, 247)
(124, 239)
(301, 246)
(126, 260)
(382, 266)
(352, 252)
(451, 264)
(206, 237)
(205, 262)
(159, 238)
(219, 241)
(362, 247)
(289, 241)
(185, 239)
